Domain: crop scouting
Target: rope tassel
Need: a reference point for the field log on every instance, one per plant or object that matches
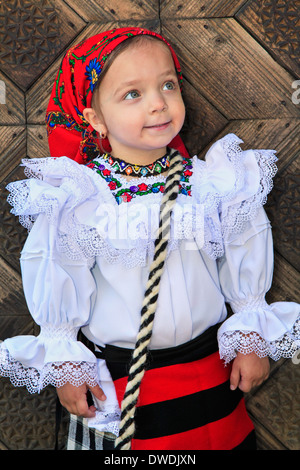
(139, 357)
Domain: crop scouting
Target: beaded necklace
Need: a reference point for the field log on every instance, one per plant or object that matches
(121, 167)
(125, 192)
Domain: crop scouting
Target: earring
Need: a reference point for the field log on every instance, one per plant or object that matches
(102, 135)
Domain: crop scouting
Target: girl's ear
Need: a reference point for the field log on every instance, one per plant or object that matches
(95, 120)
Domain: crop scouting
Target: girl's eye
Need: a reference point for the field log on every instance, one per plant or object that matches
(132, 95)
(169, 86)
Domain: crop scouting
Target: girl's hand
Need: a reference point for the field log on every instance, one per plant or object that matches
(248, 371)
(74, 399)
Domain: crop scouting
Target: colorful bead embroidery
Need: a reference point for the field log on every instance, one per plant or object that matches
(120, 166)
(125, 194)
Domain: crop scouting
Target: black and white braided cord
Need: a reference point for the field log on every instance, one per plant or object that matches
(139, 357)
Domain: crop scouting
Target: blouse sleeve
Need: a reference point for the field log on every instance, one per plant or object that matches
(239, 237)
(245, 273)
(51, 282)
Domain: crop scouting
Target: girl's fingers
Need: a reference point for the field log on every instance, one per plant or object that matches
(234, 377)
(98, 392)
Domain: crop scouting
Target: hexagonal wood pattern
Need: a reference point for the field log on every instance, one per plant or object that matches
(240, 62)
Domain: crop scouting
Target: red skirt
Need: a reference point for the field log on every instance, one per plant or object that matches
(185, 401)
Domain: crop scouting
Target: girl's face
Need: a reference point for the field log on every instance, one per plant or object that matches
(139, 104)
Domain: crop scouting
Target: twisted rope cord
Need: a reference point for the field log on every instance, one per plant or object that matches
(139, 357)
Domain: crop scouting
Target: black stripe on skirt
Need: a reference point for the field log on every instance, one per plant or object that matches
(189, 411)
(118, 359)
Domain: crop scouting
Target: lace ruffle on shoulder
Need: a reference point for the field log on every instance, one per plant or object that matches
(231, 185)
(225, 192)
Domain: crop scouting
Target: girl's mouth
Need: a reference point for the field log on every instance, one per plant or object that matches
(162, 126)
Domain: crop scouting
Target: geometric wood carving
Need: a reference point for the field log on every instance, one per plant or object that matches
(29, 420)
(276, 24)
(32, 34)
(277, 405)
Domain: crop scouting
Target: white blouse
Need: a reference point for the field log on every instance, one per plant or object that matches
(86, 260)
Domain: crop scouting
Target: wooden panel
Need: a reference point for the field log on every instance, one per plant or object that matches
(276, 24)
(203, 122)
(29, 420)
(284, 212)
(195, 9)
(12, 234)
(12, 148)
(37, 146)
(286, 282)
(37, 97)
(14, 316)
(32, 34)
(12, 110)
(275, 405)
(265, 440)
(231, 69)
(102, 11)
(281, 135)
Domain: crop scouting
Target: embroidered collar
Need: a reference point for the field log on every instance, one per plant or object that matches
(125, 191)
(121, 167)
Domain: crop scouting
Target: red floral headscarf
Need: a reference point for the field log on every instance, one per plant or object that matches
(69, 134)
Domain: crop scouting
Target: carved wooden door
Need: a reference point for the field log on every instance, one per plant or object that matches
(240, 62)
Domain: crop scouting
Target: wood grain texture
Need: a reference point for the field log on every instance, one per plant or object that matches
(37, 143)
(12, 148)
(280, 134)
(203, 121)
(14, 315)
(222, 61)
(12, 106)
(101, 11)
(199, 9)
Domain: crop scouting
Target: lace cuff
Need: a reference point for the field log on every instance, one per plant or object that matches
(56, 374)
(54, 357)
(246, 342)
(267, 330)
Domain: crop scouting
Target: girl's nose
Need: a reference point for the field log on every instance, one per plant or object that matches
(157, 103)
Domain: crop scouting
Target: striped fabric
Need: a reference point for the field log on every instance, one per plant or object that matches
(185, 401)
(81, 437)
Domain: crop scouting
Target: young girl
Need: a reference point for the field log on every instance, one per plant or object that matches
(139, 246)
